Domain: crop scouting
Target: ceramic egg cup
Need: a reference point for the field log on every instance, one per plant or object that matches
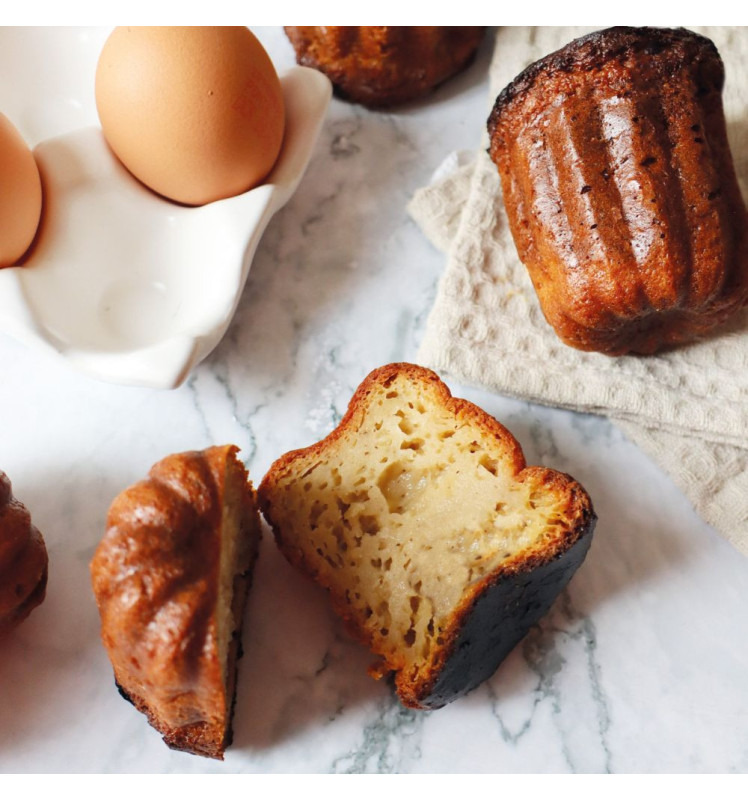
(130, 287)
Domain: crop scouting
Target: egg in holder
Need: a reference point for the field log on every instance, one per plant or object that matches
(131, 287)
(20, 195)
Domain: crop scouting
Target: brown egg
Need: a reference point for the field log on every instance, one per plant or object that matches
(194, 113)
(20, 195)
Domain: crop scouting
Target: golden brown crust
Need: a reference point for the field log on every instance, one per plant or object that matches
(156, 578)
(384, 66)
(620, 189)
(23, 560)
(425, 688)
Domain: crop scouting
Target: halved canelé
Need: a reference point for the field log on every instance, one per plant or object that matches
(439, 547)
(171, 578)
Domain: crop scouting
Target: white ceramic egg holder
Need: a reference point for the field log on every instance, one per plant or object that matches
(129, 287)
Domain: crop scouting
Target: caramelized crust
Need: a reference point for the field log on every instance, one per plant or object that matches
(23, 560)
(171, 577)
(384, 66)
(620, 189)
(438, 545)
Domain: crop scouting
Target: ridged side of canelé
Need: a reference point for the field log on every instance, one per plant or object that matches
(171, 577)
(23, 560)
(620, 189)
(380, 66)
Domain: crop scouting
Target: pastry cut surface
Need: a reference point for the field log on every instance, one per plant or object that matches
(438, 546)
(620, 189)
(380, 66)
(23, 560)
(171, 578)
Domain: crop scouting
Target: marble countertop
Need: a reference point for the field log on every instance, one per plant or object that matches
(639, 667)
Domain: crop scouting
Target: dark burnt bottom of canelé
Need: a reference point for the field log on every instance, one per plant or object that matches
(500, 618)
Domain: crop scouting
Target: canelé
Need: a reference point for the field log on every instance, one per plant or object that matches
(438, 545)
(23, 560)
(380, 66)
(620, 189)
(171, 577)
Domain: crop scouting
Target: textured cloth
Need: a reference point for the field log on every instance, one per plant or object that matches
(687, 408)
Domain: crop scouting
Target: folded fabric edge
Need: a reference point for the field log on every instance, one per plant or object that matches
(714, 477)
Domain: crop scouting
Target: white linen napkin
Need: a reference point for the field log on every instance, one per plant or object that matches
(687, 408)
